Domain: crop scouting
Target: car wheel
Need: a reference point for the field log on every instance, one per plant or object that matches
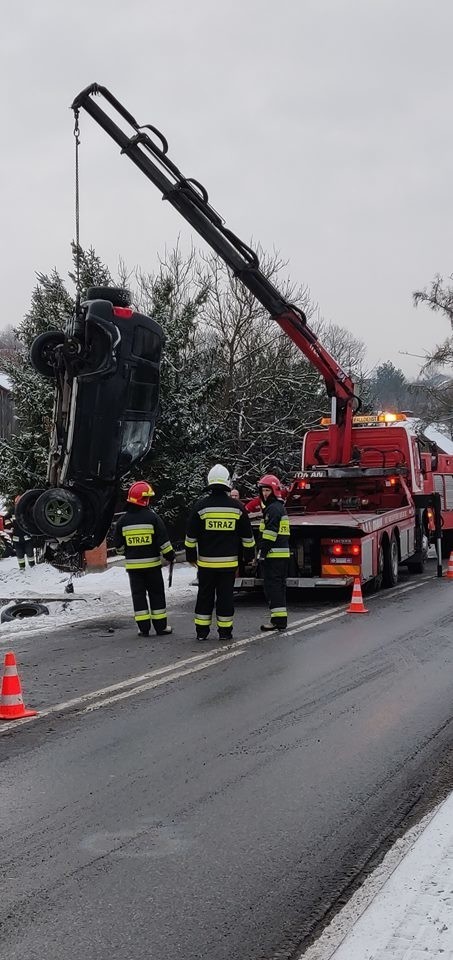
(23, 511)
(117, 296)
(22, 611)
(42, 352)
(391, 563)
(58, 513)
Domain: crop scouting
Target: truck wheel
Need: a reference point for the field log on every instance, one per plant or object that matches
(58, 513)
(117, 296)
(42, 352)
(391, 561)
(416, 566)
(378, 580)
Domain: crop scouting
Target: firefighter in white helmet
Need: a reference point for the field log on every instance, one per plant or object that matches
(218, 529)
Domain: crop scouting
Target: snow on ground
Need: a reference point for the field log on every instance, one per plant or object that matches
(99, 595)
(408, 917)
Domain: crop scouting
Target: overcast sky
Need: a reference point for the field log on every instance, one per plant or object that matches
(322, 128)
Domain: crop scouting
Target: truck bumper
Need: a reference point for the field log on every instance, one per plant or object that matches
(309, 583)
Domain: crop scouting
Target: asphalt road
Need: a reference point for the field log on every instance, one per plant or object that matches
(217, 805)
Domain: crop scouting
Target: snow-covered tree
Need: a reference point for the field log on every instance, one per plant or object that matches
(434, 390)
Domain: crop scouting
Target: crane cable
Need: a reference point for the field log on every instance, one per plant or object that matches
(77, 210)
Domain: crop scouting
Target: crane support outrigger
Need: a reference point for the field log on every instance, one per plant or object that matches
(362, 503)
(191, 200)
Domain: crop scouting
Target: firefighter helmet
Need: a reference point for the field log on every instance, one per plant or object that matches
(270, 480)
(219, 476)
(140, 493)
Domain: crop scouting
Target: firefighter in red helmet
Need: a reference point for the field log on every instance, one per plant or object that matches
(142, 535)
(274, 550)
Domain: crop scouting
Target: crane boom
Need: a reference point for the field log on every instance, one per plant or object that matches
(148, 149)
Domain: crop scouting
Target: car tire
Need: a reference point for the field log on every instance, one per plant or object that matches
(42, 352)
(391, 563)
(117, 296)
(22, 611)
(58, 513)
(23, 511)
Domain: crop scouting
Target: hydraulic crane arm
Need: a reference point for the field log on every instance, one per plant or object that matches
(189, 197)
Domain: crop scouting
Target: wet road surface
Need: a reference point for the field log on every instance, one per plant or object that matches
(215, 807)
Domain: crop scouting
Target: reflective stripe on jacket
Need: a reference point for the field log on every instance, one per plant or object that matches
(274, 530)
(143, 536)
(218, 529)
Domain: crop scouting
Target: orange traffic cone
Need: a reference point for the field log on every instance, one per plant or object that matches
(357, 605)
(450, 567)
(11, 702)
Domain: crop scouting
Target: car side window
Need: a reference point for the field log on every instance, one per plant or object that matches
(143, 392)
(146, 344)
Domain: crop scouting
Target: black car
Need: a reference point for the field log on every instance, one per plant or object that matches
(106, 368)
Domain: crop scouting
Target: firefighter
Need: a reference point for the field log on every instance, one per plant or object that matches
(22, 541)
(217, 530)
(142, 535)
(274, 550)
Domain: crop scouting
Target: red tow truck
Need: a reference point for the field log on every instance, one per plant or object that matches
(366, 499)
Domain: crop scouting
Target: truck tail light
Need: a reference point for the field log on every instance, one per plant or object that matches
(124, 312)
(343, 549)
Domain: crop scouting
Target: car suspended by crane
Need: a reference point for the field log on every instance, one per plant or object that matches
(360, 504)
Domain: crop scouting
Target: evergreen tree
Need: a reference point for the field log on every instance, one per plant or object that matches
(389, 387)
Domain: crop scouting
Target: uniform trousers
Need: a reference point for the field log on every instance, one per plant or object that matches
(24, 547)
(215, 586)
(275, 572)
(148, 598)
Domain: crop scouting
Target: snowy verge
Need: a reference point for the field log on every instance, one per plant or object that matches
(96, 595)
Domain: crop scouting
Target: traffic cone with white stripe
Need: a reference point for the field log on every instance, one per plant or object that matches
(11, 701)
(357, 605)
(450, 567)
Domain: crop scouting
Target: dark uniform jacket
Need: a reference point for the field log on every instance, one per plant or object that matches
(274, 530)
(12, 526)
(217, 529)
(144, 537)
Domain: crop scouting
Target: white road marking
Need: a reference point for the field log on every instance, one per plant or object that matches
(308, 626)
(201, 661)
(80, 701)
(158, 683)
